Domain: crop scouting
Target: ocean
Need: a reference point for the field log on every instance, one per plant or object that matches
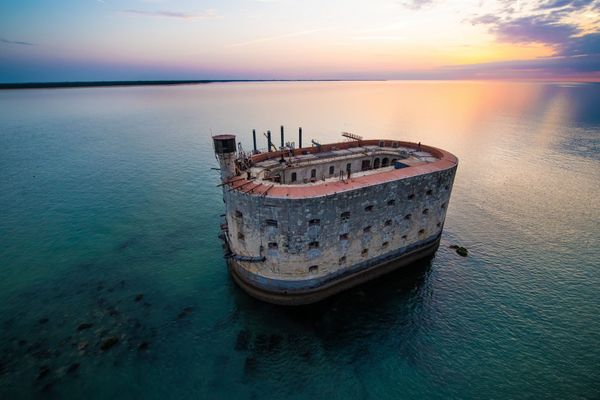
(110, 212)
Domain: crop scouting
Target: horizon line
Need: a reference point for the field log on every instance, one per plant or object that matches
(166, 82)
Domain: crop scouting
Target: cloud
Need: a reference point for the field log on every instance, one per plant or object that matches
(16, 42)
(533, 29)
(207, 14)
(588, 44)
(277, 37)
(565, 3)
(415, 4)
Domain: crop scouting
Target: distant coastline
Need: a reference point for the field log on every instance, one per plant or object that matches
(49, 85)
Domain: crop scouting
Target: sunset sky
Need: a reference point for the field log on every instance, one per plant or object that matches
(78, 40)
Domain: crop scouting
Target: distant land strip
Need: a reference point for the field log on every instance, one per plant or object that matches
(45, 85)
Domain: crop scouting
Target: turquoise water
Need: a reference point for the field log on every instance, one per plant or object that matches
(107, 194)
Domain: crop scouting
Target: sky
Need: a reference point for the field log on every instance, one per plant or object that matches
(92, 40)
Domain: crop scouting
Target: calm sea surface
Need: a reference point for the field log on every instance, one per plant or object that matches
(107, 194)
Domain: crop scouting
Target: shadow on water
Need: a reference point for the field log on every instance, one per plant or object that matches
(343, 327)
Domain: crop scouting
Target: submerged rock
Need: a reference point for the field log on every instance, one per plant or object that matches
(185, 312)
(85, 325)
(250, 364)
(72, 368)
(108, 343)
(143, 346)
(43, 372)
(139, 297)
(243, 340)
(461, 251)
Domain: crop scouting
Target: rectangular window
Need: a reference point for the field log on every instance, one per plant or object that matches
(366, 165)
(313, 173)
(348, 167)
(294, 177)
(331, 170)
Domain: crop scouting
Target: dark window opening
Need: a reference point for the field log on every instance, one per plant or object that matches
(364, 252)
(314, 222)
(348, 167)
(294, 177)
(369, 208)
(385, 244)
(271, 222)
(331, 170)
(238, 214)
(429, 192)
(391, 202)
(408, 216)
(366, 165)
(344, 236)
(241, 236)
(385, 162)
(411, 196)
(313, 269)
(426, 211)
(345, 215)
(313, 173)
(376, 163)
(313, 245)
(367, 229)
(273, 245)
(342, 260)
(388, 222)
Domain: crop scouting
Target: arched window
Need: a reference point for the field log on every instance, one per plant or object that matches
(331, 169)
(385, 162)
(376, 163)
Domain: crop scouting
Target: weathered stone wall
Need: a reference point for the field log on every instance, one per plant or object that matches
(314, 237)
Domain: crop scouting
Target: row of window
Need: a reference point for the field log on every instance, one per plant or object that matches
(344, 215)
(366, 165)
(344, 236)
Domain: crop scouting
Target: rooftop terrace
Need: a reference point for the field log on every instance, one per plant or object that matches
(330, 168)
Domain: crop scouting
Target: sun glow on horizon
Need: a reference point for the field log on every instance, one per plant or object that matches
(288, 39)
